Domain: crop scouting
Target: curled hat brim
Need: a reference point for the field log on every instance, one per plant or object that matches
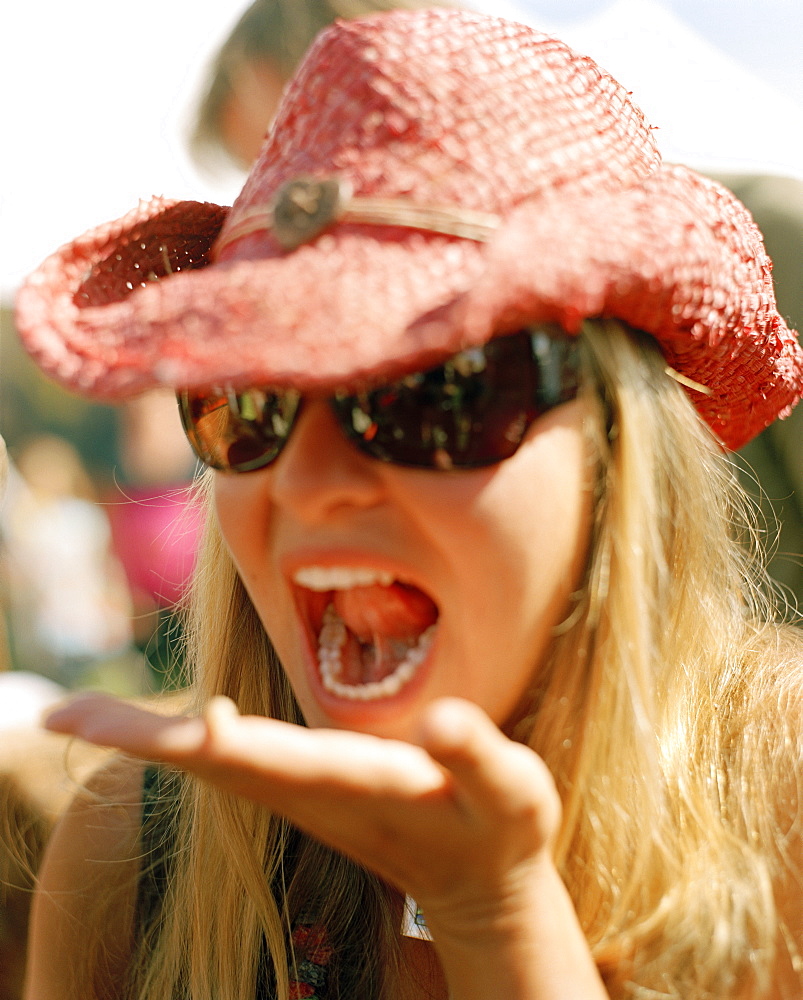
(676, 256)
(139, 303)
(136, 305)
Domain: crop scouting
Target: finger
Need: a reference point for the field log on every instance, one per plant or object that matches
(219, 713)
(492, 773)
(279, 752)
(220, 734)
(107, 721)
(320, 759)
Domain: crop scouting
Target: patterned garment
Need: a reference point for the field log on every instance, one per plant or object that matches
(311, 942)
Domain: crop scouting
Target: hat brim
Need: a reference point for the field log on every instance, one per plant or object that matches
(677, 257)
(110, 315)
(138, 304)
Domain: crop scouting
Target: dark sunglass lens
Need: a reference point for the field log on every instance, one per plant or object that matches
(238, 431)
(472, 411)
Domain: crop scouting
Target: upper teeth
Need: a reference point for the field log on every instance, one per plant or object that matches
(325, 578)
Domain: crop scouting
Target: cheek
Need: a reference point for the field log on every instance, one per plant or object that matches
(550, 505)
(242, 511)
(525, 542)
(529, 522)
(542, 538)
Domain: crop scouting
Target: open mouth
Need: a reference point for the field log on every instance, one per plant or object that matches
(372, 632)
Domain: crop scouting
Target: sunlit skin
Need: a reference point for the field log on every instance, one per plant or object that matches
(500, 550)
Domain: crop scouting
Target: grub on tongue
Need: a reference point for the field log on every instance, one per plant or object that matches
(384, 624)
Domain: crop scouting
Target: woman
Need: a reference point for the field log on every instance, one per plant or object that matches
(476, 651)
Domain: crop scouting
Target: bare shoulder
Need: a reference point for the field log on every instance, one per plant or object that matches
(86, 893)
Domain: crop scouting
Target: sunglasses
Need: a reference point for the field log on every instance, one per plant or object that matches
(473, 410)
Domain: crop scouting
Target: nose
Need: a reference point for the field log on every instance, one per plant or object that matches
(318, 473)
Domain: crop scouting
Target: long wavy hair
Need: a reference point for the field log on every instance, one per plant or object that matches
(662, 711)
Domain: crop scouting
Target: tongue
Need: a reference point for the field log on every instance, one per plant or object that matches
(397, 612)
(384, 624)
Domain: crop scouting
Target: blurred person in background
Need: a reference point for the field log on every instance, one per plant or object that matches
(36, 783)
(140, 476)
(68, 605)
(155, 528)
(254, 63)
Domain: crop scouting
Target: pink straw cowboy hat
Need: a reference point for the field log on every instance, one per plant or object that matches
(433, 179)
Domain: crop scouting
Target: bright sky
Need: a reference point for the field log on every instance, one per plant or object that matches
(98, 94)
(97, 97)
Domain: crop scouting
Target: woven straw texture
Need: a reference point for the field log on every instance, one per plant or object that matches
(438, 108)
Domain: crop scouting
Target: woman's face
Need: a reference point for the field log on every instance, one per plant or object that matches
(245, 117)
(383, 587)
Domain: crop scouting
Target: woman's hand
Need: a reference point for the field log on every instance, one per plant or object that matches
(445, 821)
(463, 822)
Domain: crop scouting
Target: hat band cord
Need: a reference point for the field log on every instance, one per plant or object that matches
(304, 208)
(689, 383)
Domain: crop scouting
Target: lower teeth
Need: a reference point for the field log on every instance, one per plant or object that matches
(330, 646)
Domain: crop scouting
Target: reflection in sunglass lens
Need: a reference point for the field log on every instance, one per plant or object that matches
(472, 411)
(238, 430)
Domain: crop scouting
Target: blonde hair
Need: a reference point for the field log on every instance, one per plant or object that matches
(661, 712)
